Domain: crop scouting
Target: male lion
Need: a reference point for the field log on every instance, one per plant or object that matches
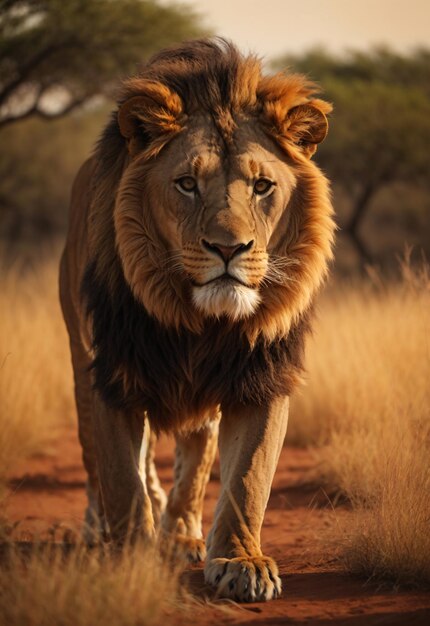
(200, 231)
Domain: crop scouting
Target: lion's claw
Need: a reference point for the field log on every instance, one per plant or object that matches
(245, 579)
(179, 546)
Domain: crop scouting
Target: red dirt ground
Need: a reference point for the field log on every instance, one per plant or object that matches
(49, 491)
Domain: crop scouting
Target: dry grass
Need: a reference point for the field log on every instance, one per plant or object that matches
(368, 406)
(85, 588)
(36, 383)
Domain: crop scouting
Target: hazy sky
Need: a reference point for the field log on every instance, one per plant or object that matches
(271, 27)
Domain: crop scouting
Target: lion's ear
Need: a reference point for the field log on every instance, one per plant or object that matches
(151, 114)
(307, 125)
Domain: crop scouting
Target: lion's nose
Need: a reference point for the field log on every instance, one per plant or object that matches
(227, 252)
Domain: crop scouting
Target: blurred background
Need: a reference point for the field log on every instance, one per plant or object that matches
(61, 60)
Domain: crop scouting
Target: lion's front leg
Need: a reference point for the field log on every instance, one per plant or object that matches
(182, 519)
(250, 443)
(127, 506)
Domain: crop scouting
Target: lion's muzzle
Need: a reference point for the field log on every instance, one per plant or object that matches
(226, 278)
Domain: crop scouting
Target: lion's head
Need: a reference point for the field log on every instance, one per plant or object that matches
(219, 210)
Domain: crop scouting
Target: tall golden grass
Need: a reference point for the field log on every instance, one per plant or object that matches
(48, 587)
(36, 382)
(367, 404)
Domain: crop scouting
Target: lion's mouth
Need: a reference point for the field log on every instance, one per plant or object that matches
(224, 279)
(226, 295)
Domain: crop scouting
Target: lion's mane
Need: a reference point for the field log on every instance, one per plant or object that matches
(164, 357)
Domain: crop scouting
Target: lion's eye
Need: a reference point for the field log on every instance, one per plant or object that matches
(262, 186)
(186, 184)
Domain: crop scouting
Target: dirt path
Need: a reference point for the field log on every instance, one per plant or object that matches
(48, 493)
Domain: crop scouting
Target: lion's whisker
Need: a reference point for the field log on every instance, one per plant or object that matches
(172, 259)
(280, 261)
(174, 267)
(275, 275)
(170, 254)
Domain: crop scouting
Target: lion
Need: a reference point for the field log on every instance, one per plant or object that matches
(200, 232)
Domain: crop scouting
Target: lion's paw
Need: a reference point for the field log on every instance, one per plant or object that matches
(244, 579)
(180, 546)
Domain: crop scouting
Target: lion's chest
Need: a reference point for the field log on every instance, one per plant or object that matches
(175, 376)
(180, 378)
(186, 376)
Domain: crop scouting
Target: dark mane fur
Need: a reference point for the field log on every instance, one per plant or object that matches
(142, 366)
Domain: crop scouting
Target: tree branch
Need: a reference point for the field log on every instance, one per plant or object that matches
(360, 208)
(35, 111)
(25, 71)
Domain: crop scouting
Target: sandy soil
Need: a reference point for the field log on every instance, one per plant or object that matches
(47, 497)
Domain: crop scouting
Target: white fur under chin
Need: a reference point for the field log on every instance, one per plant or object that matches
(235, 301)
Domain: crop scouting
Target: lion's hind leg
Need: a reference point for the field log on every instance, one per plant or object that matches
(148, 474)
(94, 528)
(182, 519)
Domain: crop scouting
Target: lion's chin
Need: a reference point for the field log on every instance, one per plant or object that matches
(233, 300)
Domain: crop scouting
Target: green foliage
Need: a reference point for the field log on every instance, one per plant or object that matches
(380, 65)
(380, 133)
(56, 54)
(380, 128)
(37, 171)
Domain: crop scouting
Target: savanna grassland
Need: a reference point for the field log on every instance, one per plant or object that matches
(364, 414)
(366, 408)
(36, 380)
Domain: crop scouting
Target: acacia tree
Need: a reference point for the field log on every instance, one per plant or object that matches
(55, 55)
(380, 130)
(381, 134)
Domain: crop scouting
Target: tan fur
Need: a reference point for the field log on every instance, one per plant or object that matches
(132, 224)
(250, 443)
(148, 474)
(195, 453)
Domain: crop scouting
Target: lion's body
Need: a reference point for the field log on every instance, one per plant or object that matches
(157, 329)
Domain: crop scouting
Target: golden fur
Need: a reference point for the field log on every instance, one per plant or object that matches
(306, 242)
(184, 302)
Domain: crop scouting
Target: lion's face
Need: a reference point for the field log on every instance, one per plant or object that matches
(219, 213)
